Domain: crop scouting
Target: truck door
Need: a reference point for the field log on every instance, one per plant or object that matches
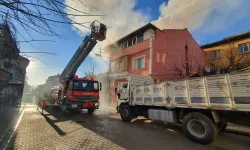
(123, 90)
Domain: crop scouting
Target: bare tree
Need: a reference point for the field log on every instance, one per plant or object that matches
(90, 74)
(230, 60)
(185, 66)
(33, 16)
(233, 60)
(38, 15)
(214, 65)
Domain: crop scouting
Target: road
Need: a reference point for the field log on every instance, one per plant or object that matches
(105, 130)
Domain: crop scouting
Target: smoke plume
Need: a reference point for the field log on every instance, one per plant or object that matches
(200, 16)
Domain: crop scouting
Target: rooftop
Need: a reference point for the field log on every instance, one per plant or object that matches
(138, 31)
(228, 39)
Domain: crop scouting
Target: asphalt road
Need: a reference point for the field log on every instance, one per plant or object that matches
(104, 130)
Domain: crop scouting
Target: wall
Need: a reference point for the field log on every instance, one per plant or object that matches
(143, 71)
(10, 93)
(169, 53)
(225, 48)
(149, 34)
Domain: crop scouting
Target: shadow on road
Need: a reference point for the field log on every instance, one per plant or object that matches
(139, 132)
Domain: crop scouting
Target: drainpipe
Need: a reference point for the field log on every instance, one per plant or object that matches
(186, 60)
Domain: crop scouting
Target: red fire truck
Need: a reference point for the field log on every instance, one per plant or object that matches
(81, 93)
(53, 100)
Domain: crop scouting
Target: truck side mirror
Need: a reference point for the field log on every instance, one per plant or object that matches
(100, 86)
(125, 85)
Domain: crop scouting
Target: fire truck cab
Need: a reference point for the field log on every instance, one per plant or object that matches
(79, 93)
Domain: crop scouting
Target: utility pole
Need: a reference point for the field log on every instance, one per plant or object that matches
(186, 59)
(99, 54)
(108, 92)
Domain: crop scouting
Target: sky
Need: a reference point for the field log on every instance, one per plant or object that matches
(207, 20)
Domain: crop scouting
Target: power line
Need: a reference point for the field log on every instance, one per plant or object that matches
(100, 55)
(207, 7)
(46, 67)
(36, 58)
(40, 53)
(181, 8)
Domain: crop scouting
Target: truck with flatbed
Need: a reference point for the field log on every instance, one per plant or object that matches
(203, 106)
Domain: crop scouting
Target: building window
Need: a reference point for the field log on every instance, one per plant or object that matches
(139, 63)
(244, 48)
(137, 39)
(215, 54)
(125, 44)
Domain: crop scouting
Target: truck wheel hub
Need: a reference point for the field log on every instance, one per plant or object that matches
(125, 113)
(197, 128)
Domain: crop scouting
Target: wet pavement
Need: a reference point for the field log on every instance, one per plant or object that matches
(9, 115)
(105, 130)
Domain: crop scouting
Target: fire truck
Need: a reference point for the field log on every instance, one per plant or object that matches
(53, 100)
(80, 93)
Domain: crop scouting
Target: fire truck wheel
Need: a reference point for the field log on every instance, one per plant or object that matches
(91, 111)
(65, 109)
(199, 128)
(126, 113)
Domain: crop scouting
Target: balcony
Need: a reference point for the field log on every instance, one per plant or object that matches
(131, 50)
(118, 75)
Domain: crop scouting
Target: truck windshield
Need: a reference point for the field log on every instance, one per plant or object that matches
(81, 85)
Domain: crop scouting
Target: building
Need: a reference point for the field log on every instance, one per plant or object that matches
(44, 90)
(12, 68)
(163, 55)
(229, 54)
(53, 80)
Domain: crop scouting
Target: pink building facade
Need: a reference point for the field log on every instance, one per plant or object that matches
(163, 55)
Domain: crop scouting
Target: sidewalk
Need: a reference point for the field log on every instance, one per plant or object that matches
(9, 115)
(36, 131)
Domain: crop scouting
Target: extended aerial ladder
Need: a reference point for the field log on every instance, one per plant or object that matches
(98, 32)
(80, 93)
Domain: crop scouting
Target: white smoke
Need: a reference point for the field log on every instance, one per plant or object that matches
(120, 18)
(205, 16)
(202, 16)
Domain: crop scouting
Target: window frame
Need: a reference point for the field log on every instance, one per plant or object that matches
(136, 59)
(243, 46)
(215, 57)
(123, 43)
(136, 39)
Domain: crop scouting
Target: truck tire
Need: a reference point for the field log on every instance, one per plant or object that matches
(91, 111)
(64, 108)
(199, 128)
(126, 113)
